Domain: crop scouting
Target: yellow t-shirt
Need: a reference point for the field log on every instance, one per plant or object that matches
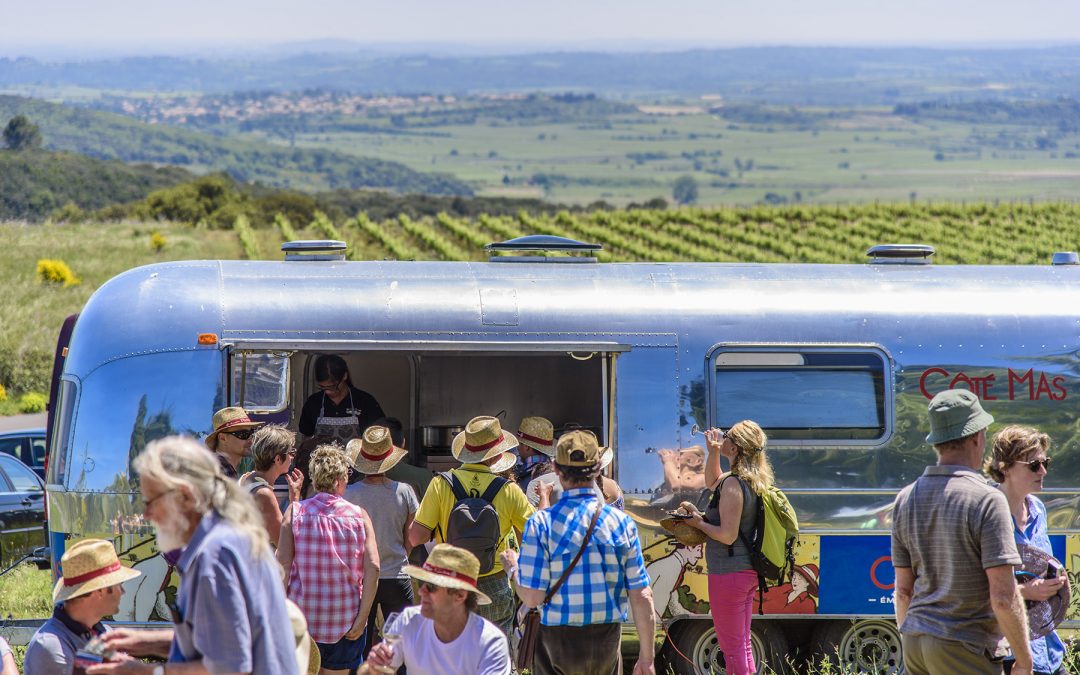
(512, 506)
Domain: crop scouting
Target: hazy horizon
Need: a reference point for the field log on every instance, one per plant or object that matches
(74, 29)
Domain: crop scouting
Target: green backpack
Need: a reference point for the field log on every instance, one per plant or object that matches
(772, 540)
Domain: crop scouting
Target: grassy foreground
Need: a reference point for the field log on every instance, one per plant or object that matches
(26, 590)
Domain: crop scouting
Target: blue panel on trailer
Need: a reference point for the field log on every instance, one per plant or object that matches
(1057, 545)
(857, 576)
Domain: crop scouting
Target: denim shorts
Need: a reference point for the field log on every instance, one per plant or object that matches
(344, 654)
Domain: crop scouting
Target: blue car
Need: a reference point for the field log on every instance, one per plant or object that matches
(26, 445)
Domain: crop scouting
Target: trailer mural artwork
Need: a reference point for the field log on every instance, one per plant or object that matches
(836, 362)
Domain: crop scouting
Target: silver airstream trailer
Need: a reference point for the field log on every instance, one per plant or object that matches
(837, 362)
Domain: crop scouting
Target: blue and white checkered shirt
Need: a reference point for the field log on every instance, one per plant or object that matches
(596, 590)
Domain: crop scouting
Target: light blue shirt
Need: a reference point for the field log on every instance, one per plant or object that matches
(612, 564)
(1047, 652)
(231, 607)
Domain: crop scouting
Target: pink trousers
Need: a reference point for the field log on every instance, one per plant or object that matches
(731, 602)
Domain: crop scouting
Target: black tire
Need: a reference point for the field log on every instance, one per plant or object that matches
(696, 639)
(863, 646)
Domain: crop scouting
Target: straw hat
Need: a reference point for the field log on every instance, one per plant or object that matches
(686, 534)
(375, 452)
(450, 567)
(506, 461)
(229, 419)
(307, 655)
(606, 455)
(88, 566)
(482, 439)
(538, 434)
(682, 530)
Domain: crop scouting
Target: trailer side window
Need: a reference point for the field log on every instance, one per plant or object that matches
(56, 472)
(811, 395)
(260, 380)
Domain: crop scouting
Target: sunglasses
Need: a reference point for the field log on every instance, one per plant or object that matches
(1036, 464)
(428, 586)
(242, 434)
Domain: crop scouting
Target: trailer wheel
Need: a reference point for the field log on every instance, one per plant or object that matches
(867, 646)
(701, 655)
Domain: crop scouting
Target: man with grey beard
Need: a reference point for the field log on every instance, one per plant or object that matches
(230, 614)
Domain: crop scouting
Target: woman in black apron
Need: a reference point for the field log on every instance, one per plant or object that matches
(338, 410)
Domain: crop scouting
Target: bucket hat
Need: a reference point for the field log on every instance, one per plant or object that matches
(450, 567)
(579, 448)
(956, 413)
(537, 433)
(506, 461)
(374, 453)
(229, 419)
(88, 566)
(482, 439)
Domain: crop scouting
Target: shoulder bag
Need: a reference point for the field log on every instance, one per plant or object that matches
(530, 625)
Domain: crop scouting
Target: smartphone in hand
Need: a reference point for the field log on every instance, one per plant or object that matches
(1052, 570)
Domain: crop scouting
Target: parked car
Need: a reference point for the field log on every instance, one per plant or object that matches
(22, 513)
(26, 445)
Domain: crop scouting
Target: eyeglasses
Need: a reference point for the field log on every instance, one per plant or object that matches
(330, 387)
(242, 434)
(148, 502)
(428, 586)
(1036, 464)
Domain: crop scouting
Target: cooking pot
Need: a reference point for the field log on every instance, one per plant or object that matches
(439, 436)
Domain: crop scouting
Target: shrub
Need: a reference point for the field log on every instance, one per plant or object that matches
(56, 272)
(157, 241)
(32, 402)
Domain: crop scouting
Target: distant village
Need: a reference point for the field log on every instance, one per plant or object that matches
(245, 106)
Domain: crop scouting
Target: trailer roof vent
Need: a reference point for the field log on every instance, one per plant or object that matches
(543, 242)
(1065, 258)
(900, 254)
(314, 249)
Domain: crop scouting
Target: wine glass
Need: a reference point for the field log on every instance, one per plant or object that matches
(392, 641)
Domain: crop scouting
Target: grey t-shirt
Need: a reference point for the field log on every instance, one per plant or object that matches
(388, 505)
(720, 558)
(948, 527)
(51, 651)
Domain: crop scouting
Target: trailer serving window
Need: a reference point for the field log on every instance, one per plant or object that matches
(260, 380)
(834, 395)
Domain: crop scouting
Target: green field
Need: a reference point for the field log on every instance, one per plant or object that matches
(968, 234)
(860, 156)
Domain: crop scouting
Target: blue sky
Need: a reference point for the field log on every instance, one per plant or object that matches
(160, 26)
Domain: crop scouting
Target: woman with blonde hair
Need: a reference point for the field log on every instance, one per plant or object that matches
(329, 551)
(1019, 462)
(731, 511)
